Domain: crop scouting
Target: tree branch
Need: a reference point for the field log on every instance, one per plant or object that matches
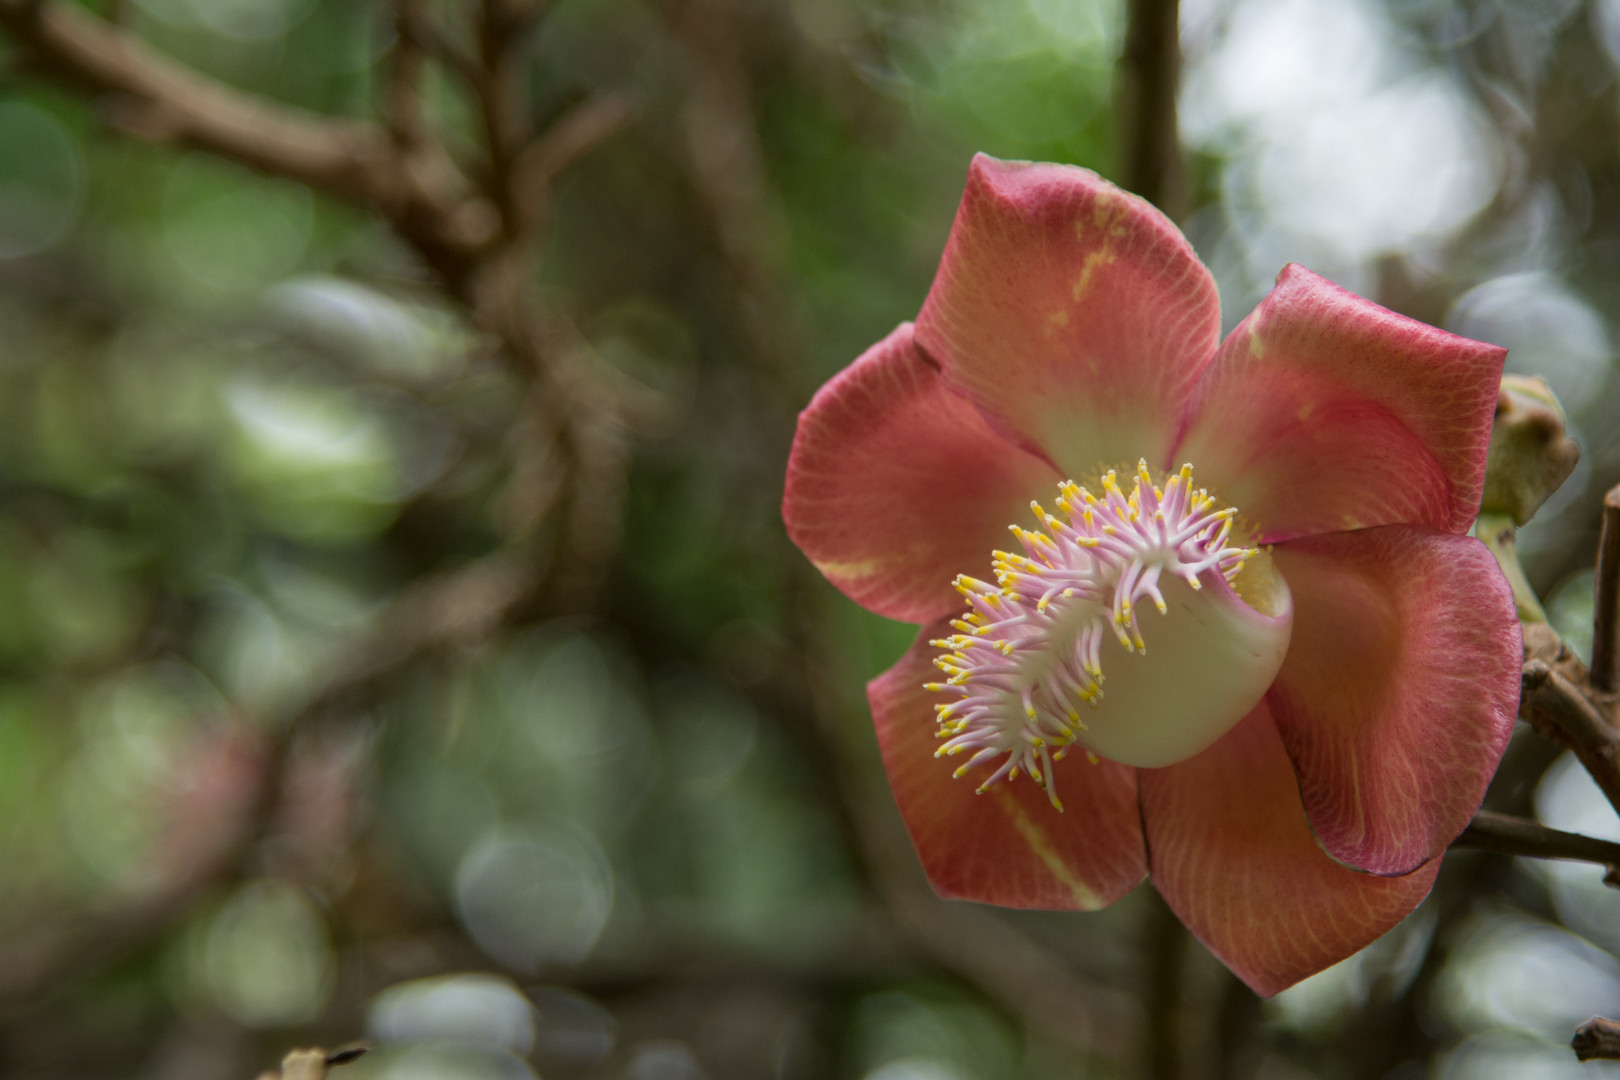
(570, 137)
(1165, 949)
(500, 30)
(1505, 834)
(1149, 71)
(480, 248)
(1596, 1039)
(183, 106)
(1606, 599)
(432, 41)
(1555, 706)
(402, 96)
(157, 99)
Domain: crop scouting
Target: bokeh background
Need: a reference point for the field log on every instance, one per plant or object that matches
(279, 762)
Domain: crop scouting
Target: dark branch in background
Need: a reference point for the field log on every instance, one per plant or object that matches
(476, 233)
(156, 99)
(1505, 834)
(1606, 600)
(1597, 1039)
(1146, 82)
(427, 36)
(571, 136)
(1165, 946)
(402, 96)
(1558, 708)
(1576, 707)
(1149, 72)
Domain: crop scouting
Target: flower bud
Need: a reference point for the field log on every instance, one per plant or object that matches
(1530, 453)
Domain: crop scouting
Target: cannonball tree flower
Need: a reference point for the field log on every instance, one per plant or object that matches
(1237, 638)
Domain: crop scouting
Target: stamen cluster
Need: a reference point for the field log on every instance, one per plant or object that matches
(1028, 650)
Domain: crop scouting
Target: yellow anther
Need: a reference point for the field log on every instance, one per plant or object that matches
(1091, 757)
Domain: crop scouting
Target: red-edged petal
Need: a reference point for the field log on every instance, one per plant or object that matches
(1399, 690)
(1008, 846)
(1074, 313)
(1324, 412)
(1233, 857)
(896, 484)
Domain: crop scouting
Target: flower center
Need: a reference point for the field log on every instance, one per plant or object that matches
(1028, 656)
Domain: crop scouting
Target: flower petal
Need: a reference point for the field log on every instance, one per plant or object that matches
(1399, 690)
(1233, 857)
(1074, 313)
(1008, 846)
(896, 484)
(1325, 412)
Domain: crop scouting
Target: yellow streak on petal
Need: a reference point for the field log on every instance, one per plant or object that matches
(1035, 837)
(859, 568)
(1101, 257)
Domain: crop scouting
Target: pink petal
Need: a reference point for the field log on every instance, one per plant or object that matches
(1325, 412)
(1008, 846)
(896, 484)
(1233, 857)
(1074, 313)
(1399, 690)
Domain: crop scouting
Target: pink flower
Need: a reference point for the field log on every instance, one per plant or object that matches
(1284, 695)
